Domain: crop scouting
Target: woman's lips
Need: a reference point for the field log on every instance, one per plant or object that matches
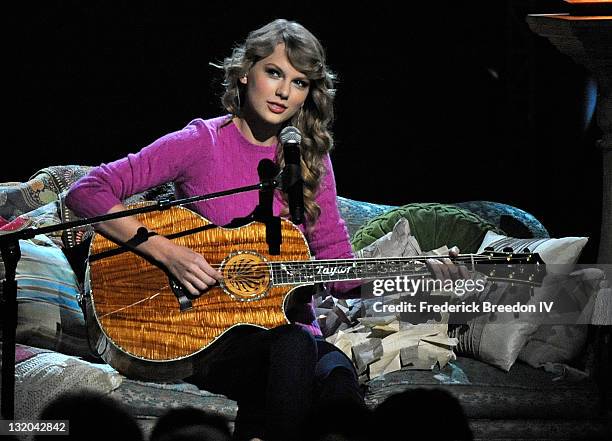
(275, 108)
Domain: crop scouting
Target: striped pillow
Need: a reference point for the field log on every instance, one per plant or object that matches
(560, 255)
(49, 315)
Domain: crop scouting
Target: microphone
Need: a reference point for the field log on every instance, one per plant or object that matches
(291, 177)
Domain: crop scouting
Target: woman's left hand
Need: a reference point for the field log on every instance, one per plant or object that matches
(445, 269)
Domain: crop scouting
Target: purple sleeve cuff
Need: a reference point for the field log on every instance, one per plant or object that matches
(306, 317)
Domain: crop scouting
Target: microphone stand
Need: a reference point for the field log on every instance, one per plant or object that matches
(11, 253)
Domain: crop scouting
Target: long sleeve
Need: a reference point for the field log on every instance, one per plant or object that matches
(167, 159)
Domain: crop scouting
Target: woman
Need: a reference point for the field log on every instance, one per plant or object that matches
(276, 78)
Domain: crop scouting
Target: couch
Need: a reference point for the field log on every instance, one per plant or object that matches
(556, 401)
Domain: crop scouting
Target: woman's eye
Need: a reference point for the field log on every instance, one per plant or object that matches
(274, 73)
(302, 84)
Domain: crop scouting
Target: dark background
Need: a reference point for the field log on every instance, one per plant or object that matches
(445, 101)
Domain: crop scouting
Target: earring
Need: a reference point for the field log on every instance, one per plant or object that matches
(244, 77)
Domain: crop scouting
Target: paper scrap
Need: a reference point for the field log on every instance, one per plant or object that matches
(388, 363)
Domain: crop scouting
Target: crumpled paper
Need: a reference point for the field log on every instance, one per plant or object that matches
(382, 344)
(421, 346)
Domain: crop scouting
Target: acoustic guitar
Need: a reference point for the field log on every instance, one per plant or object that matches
(143, 324)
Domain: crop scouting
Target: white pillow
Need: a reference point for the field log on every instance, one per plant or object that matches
(547, 343)
(560, 254)
(41, 376)
(563, 339)
(399, 242)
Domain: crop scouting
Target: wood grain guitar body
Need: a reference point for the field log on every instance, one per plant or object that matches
(133, 315)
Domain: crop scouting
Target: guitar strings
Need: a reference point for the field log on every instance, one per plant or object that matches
(301, 267)
(385, 259)
(344, 262)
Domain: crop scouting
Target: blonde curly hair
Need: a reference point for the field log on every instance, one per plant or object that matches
(307, 55)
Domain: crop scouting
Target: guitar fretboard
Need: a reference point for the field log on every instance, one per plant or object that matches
(290, 273)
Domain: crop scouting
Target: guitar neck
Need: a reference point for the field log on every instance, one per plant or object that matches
(336, 270)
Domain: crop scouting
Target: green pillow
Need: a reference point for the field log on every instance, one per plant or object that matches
(433, 225)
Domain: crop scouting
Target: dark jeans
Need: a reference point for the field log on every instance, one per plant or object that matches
(278, 377)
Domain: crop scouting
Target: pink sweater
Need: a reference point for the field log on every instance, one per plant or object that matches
(205, 157)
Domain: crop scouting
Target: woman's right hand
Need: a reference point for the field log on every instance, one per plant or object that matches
(190, 268)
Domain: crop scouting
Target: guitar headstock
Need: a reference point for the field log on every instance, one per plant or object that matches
(508, 266)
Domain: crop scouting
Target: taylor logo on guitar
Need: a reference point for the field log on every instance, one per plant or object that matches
(143, 324)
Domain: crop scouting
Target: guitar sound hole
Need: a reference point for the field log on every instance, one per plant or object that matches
(246, 276)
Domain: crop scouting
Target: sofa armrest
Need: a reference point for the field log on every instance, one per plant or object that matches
(503, 218)
(512, 220)
(58, 179)
(17, 198)
(63, 176)
(44, 186)
(357, 213)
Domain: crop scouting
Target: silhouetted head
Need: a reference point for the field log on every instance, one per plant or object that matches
(433, 412)
(91, 415)
(195, 433)
(177, 419)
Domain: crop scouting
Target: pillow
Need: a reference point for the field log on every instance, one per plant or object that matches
(24, 197)
(49, 315)
(496, 339)
(42, 375)
(397, 243)
(560, 255)
(561, 341)
(43, 216)
(433, 225)
(356, 213)
(500, 341)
